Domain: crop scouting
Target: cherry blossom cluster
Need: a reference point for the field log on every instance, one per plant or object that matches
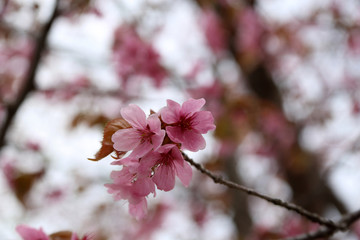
(135, 57)
(155, 143)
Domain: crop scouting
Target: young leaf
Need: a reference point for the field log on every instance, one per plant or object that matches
(106, 144)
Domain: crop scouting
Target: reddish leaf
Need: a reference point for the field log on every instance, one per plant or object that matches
(106, 144)
(63, 235)
(23, 183)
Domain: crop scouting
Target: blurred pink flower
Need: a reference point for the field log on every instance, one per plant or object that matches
(28, 233)
(214, 31)
(133, 56)
(187, 123)
(145, 134)
(168, 162)
(250, 31)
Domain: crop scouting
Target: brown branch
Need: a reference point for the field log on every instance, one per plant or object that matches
(345, 222)
(290, 206)
(29, 82)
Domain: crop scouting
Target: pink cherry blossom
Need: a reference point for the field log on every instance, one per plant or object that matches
(145, 134)
(214, 31)
(28, 233)
(133, 184)
(133, 56)
(168, 162)
(186, 123)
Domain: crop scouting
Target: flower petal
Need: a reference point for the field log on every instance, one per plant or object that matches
(28, 233)
(191, 106)
(164, 177)
(139, 209)
(171, 113)
(134, 115)
(193, 141)
(203, 121)
(143, 186)
(141, 149)
(154, 123)
(183, 171)
(175, 134)
(126, 139)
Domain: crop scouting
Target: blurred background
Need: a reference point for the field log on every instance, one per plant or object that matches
(282, 79)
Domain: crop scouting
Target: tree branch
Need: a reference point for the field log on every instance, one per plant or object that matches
(290, 206)
(344, 222)
(29, 82)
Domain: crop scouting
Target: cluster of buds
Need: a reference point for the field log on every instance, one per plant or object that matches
(154, 145)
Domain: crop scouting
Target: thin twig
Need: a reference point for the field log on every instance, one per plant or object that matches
(29, 82)
(345, 222)
(290, 206)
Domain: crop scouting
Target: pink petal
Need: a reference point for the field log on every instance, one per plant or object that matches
(28, 233)
(143, 187)
(134, 115)
(141, 149)
(193, 141)
(126, 139)
(138, 210)
(164, 178)
(175, 134)
(191, 106)
(148, 161)
(171, 113)
(183, 171)
(166, 148)
(203, 121)
(154, 123)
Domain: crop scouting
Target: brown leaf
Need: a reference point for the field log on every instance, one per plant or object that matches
(24, 182)
(106, 144)
(63, 235)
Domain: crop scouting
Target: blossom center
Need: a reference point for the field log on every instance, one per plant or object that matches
(146, 134)
(185, 123)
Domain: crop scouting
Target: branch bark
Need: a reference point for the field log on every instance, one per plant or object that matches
(29, 82)
(290, 206)
(345, 222)
(329, 226)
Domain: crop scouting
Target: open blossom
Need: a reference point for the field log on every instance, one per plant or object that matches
(186, 123)
(168, 162)
(145, 134)
(132, 183)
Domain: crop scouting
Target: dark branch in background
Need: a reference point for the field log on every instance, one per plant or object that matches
(323, 232)
(340, 226)
(29, 82)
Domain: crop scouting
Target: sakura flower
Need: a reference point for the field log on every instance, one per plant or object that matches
(28, 233)
(186, 123)
(132, 184)
(214, 31)
(145, 134)
(134, 56)
(168, 162)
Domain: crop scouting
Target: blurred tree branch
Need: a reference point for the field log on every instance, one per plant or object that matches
(290, 206)
(345, 221)
(29, 82)
(329, 227)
